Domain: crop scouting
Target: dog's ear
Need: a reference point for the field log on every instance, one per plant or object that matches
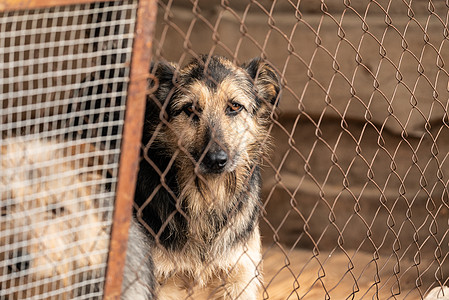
(162, 79)
(266, 80)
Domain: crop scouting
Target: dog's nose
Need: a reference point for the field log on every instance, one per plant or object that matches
(216, 160)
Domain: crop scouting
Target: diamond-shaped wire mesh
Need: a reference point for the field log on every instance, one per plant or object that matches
(64, 76)
(354, 193)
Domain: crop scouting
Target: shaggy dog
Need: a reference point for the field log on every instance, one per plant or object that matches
(53, 235)
(198, 186)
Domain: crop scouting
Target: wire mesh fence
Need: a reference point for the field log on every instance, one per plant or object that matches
(354, 194)
(344, 120)
(64, 78)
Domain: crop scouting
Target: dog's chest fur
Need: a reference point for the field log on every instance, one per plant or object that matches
(207, 229)
(199, 218)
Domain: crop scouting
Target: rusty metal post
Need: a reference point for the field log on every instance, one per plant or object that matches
(129, 159)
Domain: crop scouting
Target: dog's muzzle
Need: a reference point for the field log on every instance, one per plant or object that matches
(215, 161)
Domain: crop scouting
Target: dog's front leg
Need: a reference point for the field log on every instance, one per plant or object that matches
(244, 283)
(243, 276)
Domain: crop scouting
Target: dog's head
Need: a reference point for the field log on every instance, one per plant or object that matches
(213, 112)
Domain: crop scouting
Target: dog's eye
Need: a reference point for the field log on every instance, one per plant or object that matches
(234, 108)
(192, 111)
(189, 109)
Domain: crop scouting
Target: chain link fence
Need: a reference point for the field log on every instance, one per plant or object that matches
(355, 199)
(354, 194)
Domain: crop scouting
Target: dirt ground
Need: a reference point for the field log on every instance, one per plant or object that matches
(298, 274)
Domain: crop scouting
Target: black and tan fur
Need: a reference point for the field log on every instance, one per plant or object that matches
(198, 186)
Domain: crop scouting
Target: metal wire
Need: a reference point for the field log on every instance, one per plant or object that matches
(64, 76)
(355, 192)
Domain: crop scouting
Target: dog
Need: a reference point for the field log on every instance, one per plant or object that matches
(205, 133)
(53, 238)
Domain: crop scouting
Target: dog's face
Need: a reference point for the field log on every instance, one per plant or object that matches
(215, 112)
(50, 226)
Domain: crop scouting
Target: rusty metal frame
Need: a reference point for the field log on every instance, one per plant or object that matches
(132, 131)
